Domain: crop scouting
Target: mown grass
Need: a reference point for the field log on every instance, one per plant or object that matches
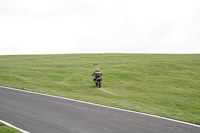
(162, 84)
(6, 129)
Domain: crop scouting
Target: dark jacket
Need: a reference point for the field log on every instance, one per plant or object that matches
(97, 73)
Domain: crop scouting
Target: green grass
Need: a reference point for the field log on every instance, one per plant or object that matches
(6, 129)
(162, 84)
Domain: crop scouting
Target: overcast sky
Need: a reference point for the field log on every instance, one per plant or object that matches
(105, 26)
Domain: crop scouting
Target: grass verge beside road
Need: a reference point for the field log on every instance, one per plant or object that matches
(6, 129)
(161, 84)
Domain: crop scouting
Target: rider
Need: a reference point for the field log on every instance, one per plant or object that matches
(97, 74)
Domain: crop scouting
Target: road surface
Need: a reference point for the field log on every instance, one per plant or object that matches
(37, 113)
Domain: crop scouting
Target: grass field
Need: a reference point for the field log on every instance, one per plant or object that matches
(6, 129)
(162, 84)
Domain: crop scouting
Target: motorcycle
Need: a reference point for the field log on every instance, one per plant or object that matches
(98, 82)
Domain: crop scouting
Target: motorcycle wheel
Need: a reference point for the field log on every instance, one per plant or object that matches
(99, 84)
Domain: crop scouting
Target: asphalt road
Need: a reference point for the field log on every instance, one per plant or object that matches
(44, 114)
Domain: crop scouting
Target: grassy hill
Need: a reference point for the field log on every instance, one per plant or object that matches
(162, 84)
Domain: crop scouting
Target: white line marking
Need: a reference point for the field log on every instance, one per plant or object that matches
(155, 116)
(8, 124)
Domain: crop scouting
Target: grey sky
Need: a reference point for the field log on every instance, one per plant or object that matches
(106, 26)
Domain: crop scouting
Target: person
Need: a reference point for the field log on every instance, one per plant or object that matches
(96, 74)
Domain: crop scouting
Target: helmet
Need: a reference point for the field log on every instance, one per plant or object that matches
(97, 69)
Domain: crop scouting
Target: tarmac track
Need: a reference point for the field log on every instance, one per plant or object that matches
(38, 113)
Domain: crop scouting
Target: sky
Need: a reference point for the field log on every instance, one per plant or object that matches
(106, 26)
